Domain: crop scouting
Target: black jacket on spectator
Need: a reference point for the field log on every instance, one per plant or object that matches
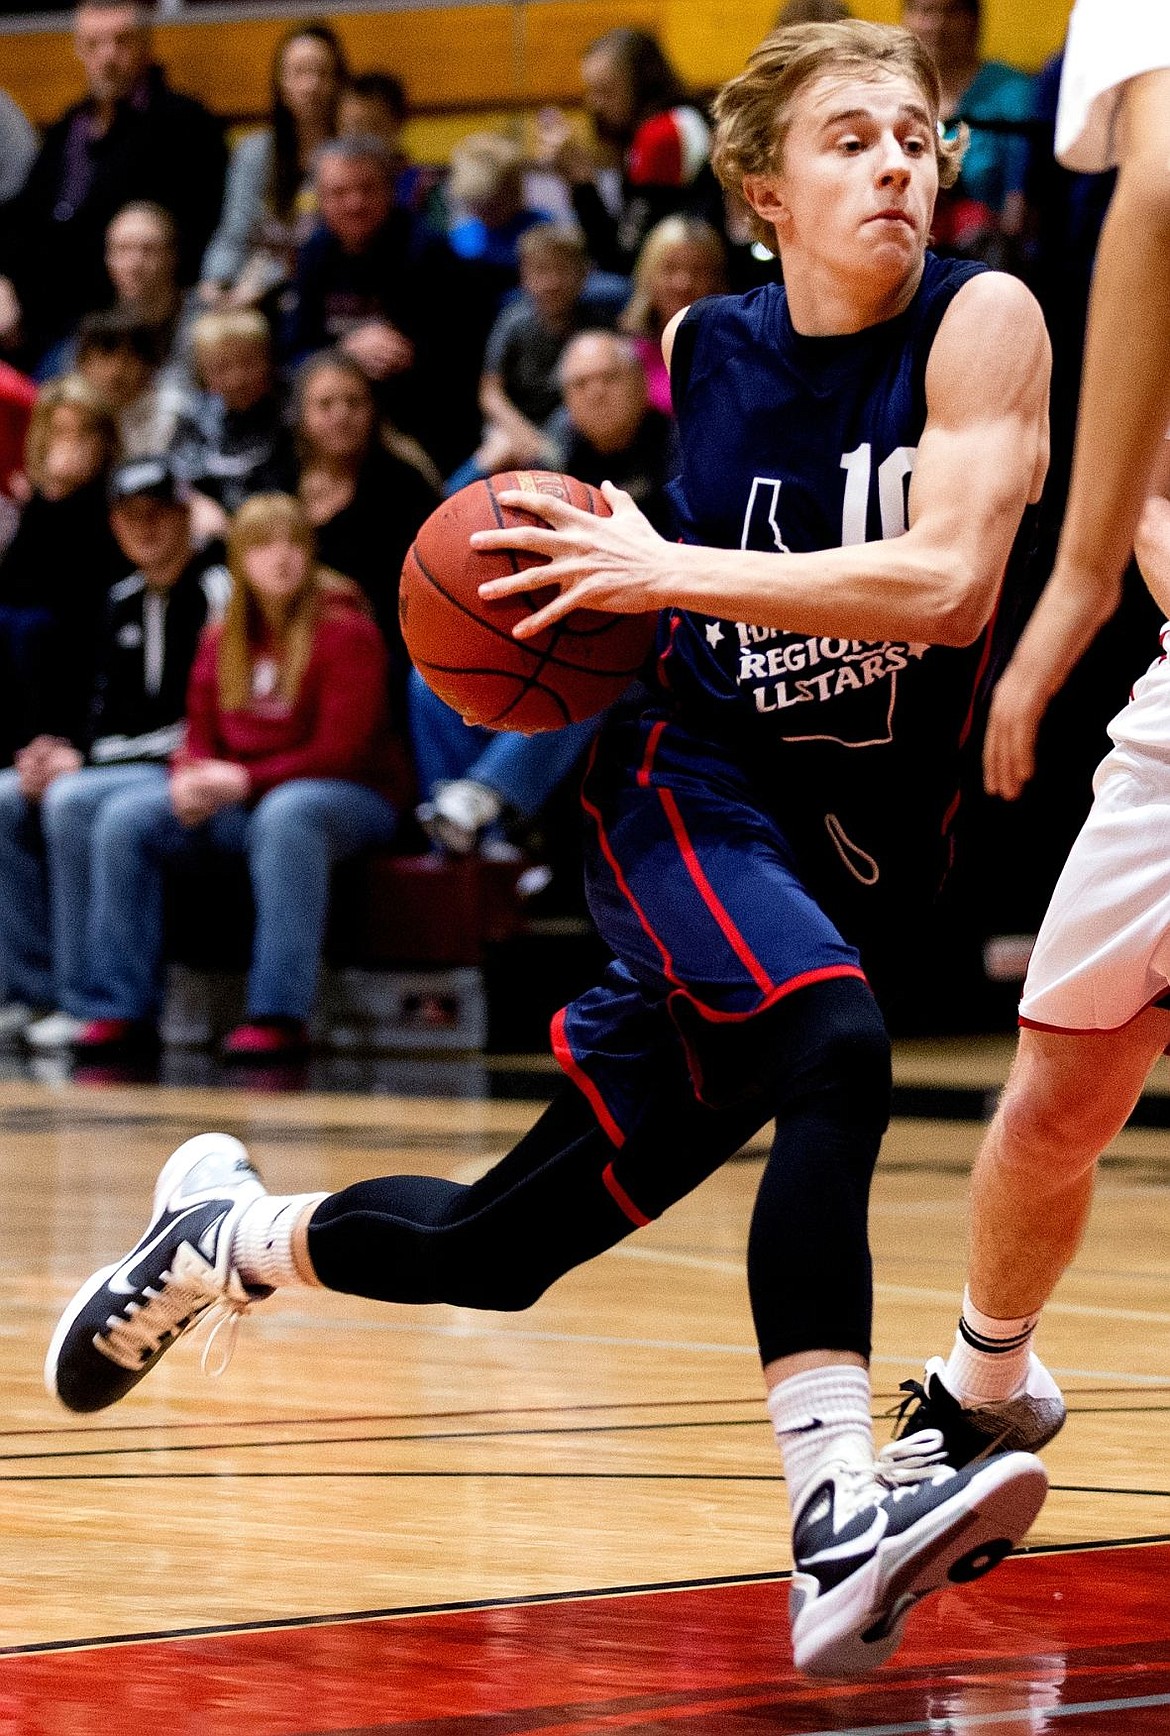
(147, 649)
(231, 454)
(162, 146)
(408, 277)
(54, 577)
(643, 468)
(368, 540)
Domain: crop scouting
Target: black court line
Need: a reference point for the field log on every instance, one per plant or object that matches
(405, 1416)
(466, 1605)
(383, 1440)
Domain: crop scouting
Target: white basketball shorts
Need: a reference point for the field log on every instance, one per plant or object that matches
(1103, 951)
(1109, 42)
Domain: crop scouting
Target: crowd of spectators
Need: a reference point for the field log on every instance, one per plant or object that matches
(232, 386)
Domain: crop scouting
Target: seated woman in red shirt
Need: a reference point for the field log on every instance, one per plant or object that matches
(290, 759)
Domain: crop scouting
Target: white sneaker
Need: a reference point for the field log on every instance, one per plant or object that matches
(870, 1541)
(54, 1031)
(122, 1320)
(459, 814)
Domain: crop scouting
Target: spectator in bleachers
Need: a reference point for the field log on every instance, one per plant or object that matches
(519, 388)
(374, 281)
(53, 800)
(374, 106)
(118, 354)
(269, 203)
(607, 430)
(130, 138)
(643, 115)
(56, 571)
(291, 760)
(234, 442)
(142, 259)
(485, 194)
(682, 260)
(982, 215)
(364, 499)
(18, 147)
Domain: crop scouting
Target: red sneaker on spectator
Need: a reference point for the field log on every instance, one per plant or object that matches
(106, 1036)
(265, 1040)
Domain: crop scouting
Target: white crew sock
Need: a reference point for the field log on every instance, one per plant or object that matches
(821, 1415)
(990, 1357)
(262, 1243)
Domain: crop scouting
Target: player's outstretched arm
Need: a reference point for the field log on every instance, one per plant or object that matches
(1124, 411)
(982, 457)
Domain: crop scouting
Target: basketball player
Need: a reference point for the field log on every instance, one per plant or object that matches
(858, 451)
(1094, 1010)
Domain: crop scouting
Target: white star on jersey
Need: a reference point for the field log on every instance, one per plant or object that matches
(714, 632)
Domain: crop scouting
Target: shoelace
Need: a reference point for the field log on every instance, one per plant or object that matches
(916, 1459)
(915, 1395)
(138, 1334)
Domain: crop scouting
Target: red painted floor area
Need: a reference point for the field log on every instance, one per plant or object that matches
(1074, 1643)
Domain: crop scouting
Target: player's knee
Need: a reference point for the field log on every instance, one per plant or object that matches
(1055, 1130)
(833, 1044)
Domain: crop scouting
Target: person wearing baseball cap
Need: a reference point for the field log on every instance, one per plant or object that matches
(56, 798)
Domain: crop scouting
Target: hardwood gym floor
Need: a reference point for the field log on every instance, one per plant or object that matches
(570, 1520)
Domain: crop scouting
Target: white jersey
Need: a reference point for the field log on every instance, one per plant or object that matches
(1109, 42)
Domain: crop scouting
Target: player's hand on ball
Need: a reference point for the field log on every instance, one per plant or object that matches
(619, 564)
(1009, 747)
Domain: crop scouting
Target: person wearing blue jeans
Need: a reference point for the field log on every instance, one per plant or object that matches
(45, 854)
(291, 839)
(470, 776)
(53, 799)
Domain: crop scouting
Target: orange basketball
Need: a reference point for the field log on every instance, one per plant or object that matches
(462, 645)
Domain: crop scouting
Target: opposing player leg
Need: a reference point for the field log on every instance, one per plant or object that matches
(1092, 1028)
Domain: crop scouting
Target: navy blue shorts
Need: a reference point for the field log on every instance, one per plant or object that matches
(696, 890)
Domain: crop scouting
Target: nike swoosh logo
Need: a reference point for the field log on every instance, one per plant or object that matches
(863, 1545)
(118, 1282)
(804, 1428)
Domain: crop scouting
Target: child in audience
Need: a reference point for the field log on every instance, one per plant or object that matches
(235, 442)
(118, 355)
(518, 389)
(291, 760)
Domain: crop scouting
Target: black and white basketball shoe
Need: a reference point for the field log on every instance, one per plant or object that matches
(973, 1433)
(121, 1321)
(870, 1541)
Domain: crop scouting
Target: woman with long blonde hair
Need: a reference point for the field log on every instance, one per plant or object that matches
(290, 760)
(682, 260)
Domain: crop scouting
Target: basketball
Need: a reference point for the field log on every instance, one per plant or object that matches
(462, 645)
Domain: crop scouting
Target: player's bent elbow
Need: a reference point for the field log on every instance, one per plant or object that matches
(961, 612)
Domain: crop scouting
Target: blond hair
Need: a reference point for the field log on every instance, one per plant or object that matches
(69, 392)
(229, 325)
(259, 521)
(482, 166)
(753, 111)
(638, 315)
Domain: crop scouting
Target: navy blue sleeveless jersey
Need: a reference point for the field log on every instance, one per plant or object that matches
(794, 444)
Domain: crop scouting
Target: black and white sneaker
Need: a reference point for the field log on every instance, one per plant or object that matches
(120, 1322)
(871, 1541)
(973, 1433)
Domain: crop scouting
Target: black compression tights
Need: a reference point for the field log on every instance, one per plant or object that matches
(821, 1062)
